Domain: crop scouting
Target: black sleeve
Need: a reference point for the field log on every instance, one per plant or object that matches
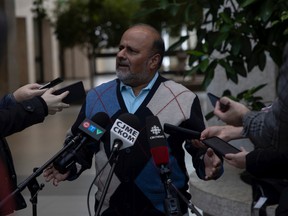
(197, 158)
(19, 116)
(196, 123)
(267, 163)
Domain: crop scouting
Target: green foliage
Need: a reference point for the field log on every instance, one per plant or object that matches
(238, 35)
(171, 14)
(248, 98)
(38, 9)
(93, 23)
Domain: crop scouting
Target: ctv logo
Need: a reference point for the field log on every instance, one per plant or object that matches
(92, 128)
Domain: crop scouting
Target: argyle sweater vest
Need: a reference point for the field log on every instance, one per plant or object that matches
(136, 187)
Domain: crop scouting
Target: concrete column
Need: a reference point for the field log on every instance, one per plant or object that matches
(9, 77)
(30, 48)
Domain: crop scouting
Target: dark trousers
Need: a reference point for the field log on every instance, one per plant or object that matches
(282, 209)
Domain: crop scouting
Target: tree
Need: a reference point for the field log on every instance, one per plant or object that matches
(171, 14)
(92, 24)
(241, 32)
(236, 35)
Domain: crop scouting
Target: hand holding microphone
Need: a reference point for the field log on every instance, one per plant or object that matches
(65, 162)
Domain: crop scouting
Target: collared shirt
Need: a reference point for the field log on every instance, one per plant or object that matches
(133, 102)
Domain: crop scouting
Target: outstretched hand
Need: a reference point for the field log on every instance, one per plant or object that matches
(53, 174)
(213, 165)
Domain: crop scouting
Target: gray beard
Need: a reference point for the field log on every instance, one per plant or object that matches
(132, 79)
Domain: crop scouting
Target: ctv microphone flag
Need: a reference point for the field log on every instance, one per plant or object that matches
(92, 129)
(89, 128)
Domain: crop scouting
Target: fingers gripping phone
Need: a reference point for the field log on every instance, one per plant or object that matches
(213, 99)
(52, 83)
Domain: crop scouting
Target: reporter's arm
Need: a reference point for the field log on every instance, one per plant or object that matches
(27, 92)
(267, 163)
(226, 132)
(19, 116)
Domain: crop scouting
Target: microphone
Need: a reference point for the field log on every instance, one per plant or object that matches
(157, 141)
(180, 131)
(124, 132)
(94, 128)
(160, 154)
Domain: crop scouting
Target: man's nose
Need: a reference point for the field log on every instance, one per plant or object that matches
(121, 54)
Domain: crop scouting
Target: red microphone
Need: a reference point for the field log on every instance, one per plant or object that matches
(160, 154)
(157, 141)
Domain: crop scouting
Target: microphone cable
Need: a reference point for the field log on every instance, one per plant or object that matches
(97, 175)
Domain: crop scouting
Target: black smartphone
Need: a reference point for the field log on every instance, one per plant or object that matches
(220, 146)
(213, 99)
(52, 83)
(76, 94)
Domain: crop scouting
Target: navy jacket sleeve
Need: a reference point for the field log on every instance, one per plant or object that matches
(267, 163)
(18, 116)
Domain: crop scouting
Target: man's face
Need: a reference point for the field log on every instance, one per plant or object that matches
(132, 61)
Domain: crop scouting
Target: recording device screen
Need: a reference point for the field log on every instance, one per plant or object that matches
(220, 146)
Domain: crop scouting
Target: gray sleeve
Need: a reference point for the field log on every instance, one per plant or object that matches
(253, 123)
(256, 128)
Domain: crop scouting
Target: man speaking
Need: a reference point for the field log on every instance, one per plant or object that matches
(136, 188)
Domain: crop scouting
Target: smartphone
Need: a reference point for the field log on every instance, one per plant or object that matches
(52, 83)
(220, 146)
(213, 99)
(76, 94)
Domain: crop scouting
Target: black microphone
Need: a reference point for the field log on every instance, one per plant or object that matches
(180, 131)
(124, 131)
(93, 128)
(160, 154)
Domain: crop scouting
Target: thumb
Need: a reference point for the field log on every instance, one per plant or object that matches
(210, 152)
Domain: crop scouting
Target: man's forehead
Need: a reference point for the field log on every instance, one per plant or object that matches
(137, 35)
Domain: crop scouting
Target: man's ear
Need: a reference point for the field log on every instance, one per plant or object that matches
(154, 61)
